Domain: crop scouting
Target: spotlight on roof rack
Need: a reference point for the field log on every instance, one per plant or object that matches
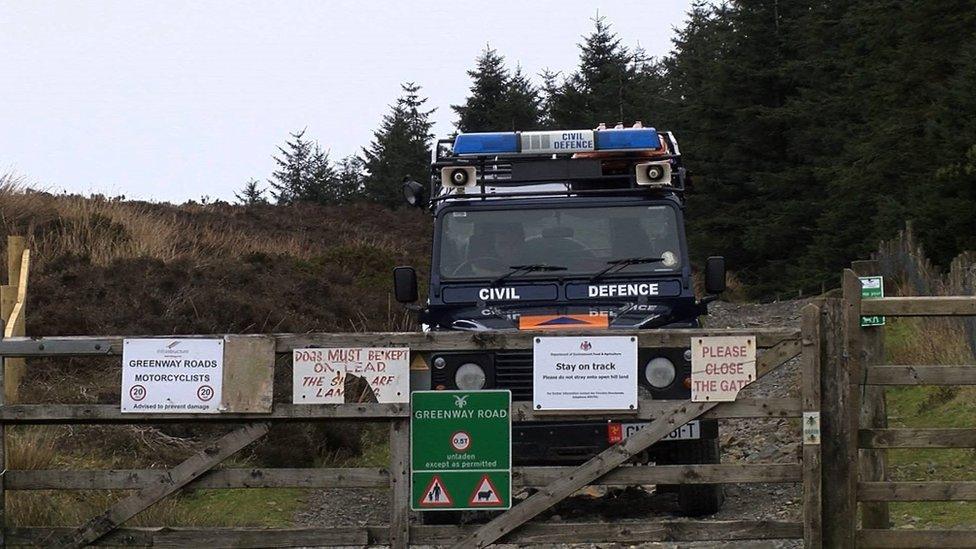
(654, 173)
(413, 192)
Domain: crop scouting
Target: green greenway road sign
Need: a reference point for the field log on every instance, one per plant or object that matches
(872, 287)
(460, 450)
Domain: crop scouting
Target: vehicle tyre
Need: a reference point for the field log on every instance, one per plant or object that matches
(697, 500)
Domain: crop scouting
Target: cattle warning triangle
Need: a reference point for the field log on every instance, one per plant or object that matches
(435, 495)
(485, 494)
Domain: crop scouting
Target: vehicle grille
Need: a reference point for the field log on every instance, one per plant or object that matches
(513, 371)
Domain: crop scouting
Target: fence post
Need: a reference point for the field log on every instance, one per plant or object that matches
(9, 296)
(400, 483)
(3, 450)
(838, 452)
(874, 415)
(812, 340)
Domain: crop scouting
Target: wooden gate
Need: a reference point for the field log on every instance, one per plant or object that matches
(555, 483)
(856, 434)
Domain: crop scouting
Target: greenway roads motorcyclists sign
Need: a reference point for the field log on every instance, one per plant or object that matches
(460, 450)
(166, 376)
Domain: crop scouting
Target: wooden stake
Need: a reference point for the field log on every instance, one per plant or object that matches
(400, 484)
(839, 516)
(810, 389)
(874, 415)
(15, 250)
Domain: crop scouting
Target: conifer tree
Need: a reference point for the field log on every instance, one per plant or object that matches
(304, 172)
(489, 88)
(251, 194)
(400, 148)
(349, 179)
(498, 100)
(603, 88)
(522, 109)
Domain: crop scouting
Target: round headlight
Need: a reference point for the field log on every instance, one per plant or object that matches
(659, 372)
(470, 377)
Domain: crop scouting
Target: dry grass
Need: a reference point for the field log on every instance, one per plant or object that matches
(937, 340)
(106, 229)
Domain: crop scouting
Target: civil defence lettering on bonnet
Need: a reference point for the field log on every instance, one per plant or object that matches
(623, 290)
(498, 294)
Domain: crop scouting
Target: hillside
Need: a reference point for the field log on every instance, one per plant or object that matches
(106, 266)
(109, 266)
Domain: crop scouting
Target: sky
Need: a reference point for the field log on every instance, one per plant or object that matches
(177, 100)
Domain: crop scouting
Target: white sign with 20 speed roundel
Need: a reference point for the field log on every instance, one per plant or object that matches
(172, 376)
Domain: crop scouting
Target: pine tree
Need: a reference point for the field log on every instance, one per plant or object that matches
(400, 148)
(489, 88)
(251, 194)
(498, 100)
(304, 173)
(522, 109)
(294, 162)
(604, 87)
(349, 179)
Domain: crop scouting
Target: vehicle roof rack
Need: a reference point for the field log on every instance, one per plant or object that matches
(497, 165)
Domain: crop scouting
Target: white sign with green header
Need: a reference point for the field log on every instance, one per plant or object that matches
(872, 287)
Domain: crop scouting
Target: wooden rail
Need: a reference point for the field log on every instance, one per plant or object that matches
(534, 533)
(917, 438)
(917, 491)
(920, 306)
(376, 477)
(921, 375)
(521, 411)
(417, 342)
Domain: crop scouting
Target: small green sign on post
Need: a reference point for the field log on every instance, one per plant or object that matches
(460, 450)
(872, 287)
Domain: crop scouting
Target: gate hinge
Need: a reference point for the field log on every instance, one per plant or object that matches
(811, 427)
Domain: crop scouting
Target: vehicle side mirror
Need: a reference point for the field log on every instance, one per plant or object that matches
(715, 275)
(414, 193)
(405, 284)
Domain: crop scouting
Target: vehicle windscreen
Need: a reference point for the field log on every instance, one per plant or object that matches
(488, 243)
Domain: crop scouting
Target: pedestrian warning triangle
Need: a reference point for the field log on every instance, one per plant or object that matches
(485, 493)
(435, 495)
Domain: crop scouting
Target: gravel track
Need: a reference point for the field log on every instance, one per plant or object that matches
(743, 441)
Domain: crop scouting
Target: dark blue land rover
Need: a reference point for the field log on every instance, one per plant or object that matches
(578, 229)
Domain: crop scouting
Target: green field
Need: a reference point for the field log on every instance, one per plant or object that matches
(934, 407)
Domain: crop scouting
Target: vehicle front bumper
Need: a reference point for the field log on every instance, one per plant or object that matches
(568, 443)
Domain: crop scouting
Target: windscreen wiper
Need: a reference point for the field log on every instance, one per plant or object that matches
(616, 265)
(525, 269)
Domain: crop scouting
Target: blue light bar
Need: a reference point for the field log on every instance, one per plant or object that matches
(633, 138)
(486, 143)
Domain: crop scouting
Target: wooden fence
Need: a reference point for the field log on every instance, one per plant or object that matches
(148, 486)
